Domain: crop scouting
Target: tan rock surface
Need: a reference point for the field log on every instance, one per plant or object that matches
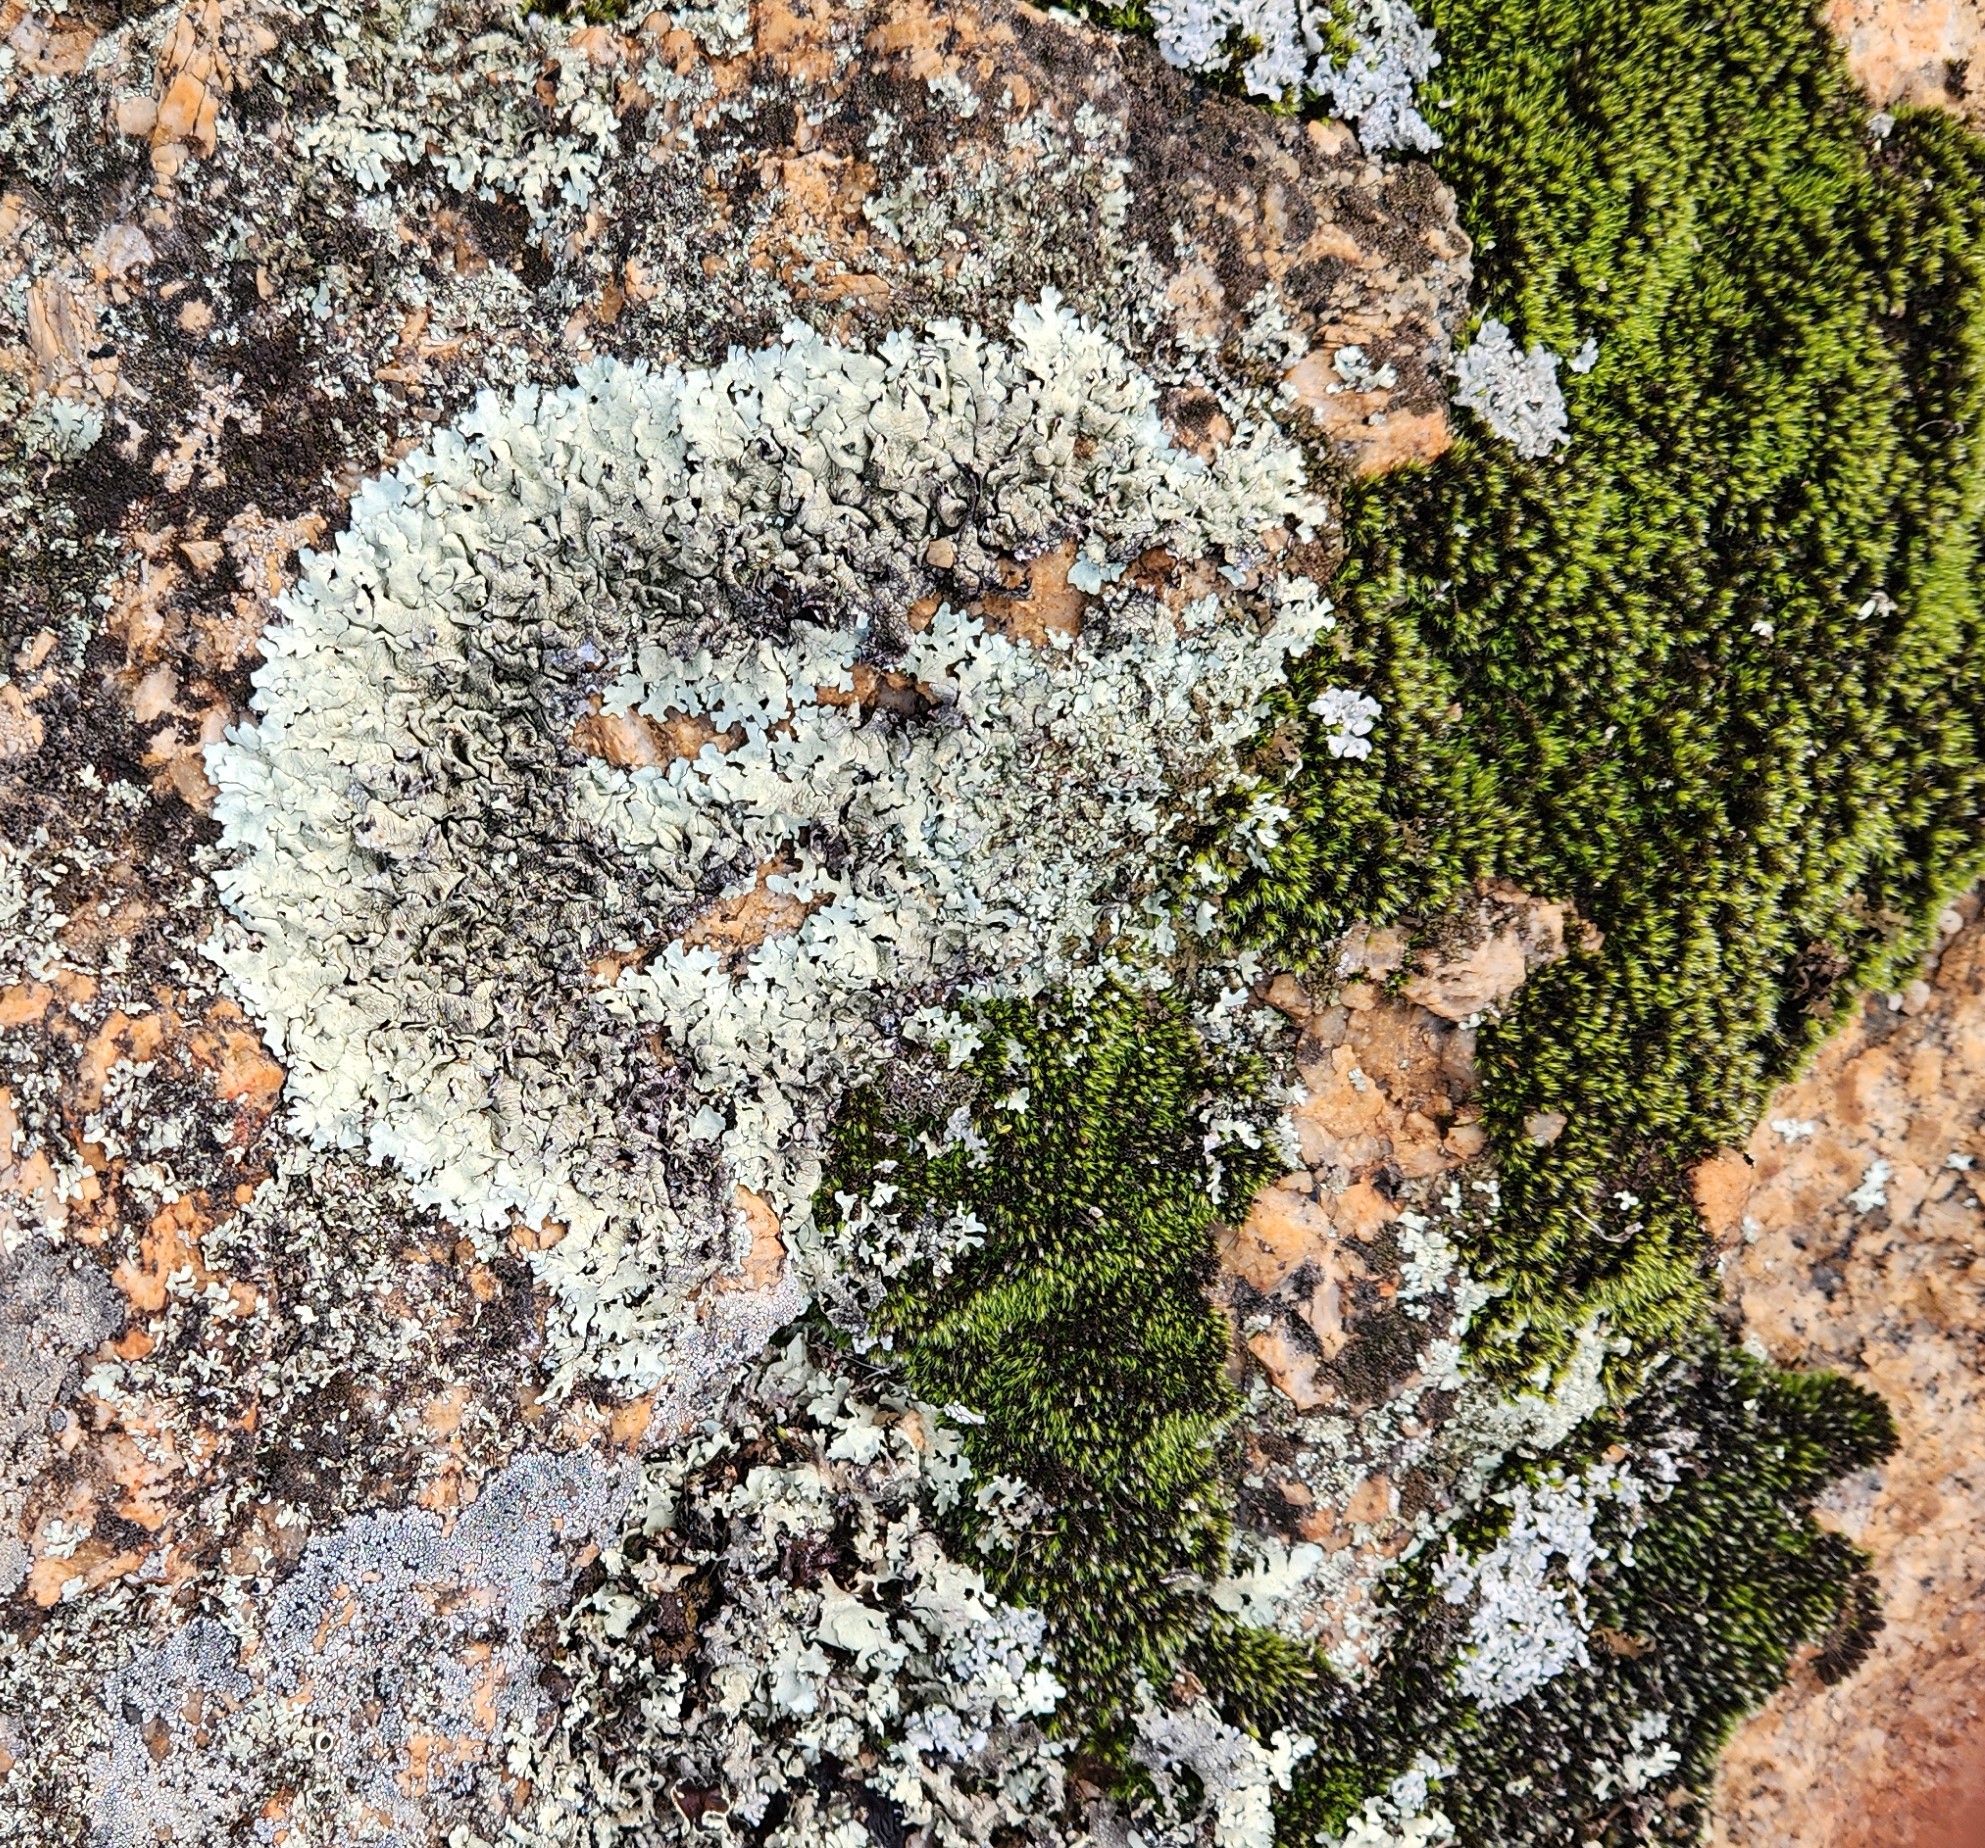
(1340, 1326)
(1853, 1237)
(1390, 1085)
(1927, 52)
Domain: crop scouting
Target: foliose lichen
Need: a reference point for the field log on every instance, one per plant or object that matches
(1514, 392)
(1364, 58)
(463, 934)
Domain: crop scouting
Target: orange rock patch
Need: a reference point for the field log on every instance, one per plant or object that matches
(1043, 603)
(1852, 1232)
(733, 926)
(1927, 52)
(1390, 1082)
(633, 741)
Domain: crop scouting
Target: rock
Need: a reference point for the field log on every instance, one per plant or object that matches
(1390, 1083)
(1502, 939)
(1043, 603)
(1927, 52)
(290, 1399)
(1337, 1302)
(1853, 1237)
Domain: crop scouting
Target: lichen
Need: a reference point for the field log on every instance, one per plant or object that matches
(431, 874)
(1515, 393)
(389, 1605)
(1365, 58)
(1678, 636)
(780, 1640)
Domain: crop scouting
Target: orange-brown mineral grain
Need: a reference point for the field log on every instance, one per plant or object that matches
(1853, 1238)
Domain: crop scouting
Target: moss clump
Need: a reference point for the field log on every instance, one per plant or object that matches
(593, 12)
(1080, 1330)
(1695, 1612)
(1707, 671)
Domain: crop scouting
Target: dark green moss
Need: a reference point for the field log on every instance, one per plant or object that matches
(1696, 1610)
(1081, 1330)
(593, 12)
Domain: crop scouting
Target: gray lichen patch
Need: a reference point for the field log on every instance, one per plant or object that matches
(1514, 391)
(53, 1309)
(780, 1642)
(429, 880)
(1368, 57)
(374, 1683)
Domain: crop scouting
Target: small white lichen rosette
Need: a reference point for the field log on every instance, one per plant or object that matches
(605, 997)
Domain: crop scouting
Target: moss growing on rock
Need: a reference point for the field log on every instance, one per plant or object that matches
(1704, 1585)
(1079, 1329)
(1705, 671)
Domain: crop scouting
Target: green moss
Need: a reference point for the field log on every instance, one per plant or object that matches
(1785, 421)
(1080, 1331)
(593, 12)
(1709, 672)
(1698, 1609)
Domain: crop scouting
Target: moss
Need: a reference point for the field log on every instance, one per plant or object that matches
(1261, 1679)
(1705, 671)
(593, 12)
(1080, 1331)
(1696, 1612)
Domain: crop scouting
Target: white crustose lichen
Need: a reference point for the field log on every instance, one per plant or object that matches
(1529, 1623)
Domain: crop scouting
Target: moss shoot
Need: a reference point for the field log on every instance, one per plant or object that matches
(1080, 1330)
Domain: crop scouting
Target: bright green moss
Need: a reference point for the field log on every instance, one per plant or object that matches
(1659, 672)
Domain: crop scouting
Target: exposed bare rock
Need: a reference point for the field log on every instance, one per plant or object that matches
(1500, 940)
(1390, 1084)
(1927, 52)
(1345, 1284)
(1853, 1237)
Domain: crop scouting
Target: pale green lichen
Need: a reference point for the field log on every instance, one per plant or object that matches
(429, 875)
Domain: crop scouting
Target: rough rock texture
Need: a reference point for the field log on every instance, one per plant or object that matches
(1344, 1283)
(1390, 1081)
(1927, 52)
(1852, 1230)
(276, 1475)
(51, 1313)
